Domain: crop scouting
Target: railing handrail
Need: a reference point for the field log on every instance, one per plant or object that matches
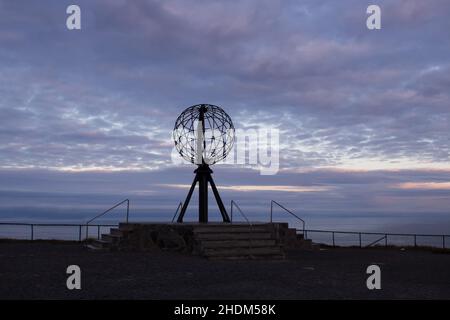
(106, 211)
(376, 241)
(287, 210)
(378, 233)
(32, 225)
(113, 207)
(38, 224)
(54, 224)
(384, 234)
(176, 212)
(233, 203)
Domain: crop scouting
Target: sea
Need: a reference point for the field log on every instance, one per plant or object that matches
(400, 229)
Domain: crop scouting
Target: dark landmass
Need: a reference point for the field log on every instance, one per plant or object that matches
(37, 270)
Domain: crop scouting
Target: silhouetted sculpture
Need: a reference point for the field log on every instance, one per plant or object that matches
(204, 135)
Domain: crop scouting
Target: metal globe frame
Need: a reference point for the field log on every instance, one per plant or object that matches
(217, 131)
(203, 135)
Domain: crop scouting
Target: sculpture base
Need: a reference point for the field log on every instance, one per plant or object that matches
(203, 178)
(214, 240)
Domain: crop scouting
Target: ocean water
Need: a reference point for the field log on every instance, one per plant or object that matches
(430, 224)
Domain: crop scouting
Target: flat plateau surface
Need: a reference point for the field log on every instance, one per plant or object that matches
(37, 270)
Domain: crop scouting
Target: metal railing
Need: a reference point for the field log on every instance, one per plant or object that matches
(234, 204)
(176, 212)
(272, 202)
(441, 239)
(79, 227)
(106, 211)
(377, 241)
(384, 236)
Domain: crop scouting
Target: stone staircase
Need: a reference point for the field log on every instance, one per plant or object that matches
(237, 242)
(111, 241)
(213, 241)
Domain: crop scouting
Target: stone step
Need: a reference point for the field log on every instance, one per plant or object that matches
(111, 238)
(247, 257)
(236, 243)
(116, 232)
(243, 251)
(233, 236)
(93, 247)
(102, 244)
(126, 226)
(213, 240)
(230, 229)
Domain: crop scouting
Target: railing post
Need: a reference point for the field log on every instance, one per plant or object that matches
(32, 232)
(360, 240)
(334, 244)
(305, 234)
(271, 210)
(98, 232)
(385, 240)
(79, 233)
(87, 231)
(128, 208)
(415, 240)
(443, 242)
(231, 213)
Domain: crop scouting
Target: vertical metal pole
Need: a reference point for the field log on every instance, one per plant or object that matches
(128, 209)
(98, 232)
(305, 235)
(443, 242)
(271, 210)
(415, 240)
(334, 244)
(202, 198)
(360, 241)
(79, 233)
(385, 240)
(32, 232)
(202, 173)
(231, 213)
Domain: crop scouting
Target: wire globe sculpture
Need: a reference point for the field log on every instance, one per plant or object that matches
(204, 134)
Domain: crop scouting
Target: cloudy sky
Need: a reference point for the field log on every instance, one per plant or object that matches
(86, 116)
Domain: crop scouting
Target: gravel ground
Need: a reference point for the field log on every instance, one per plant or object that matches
(37, 270)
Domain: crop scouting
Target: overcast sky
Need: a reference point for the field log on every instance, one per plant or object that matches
(86, 116)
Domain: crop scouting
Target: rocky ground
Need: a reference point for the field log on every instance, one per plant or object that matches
(37, 270)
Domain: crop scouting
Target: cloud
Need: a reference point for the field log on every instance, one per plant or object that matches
(259, 188)
(317, 191)
(337, 91)
(359, 112)
(424, 186)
